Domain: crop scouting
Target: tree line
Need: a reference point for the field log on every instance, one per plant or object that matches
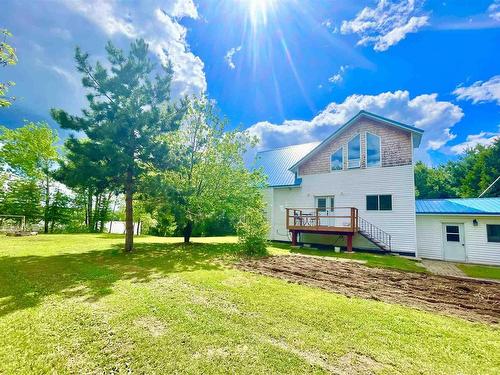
(467, 177)
(174, 163)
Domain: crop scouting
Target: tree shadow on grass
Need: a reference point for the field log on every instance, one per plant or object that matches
(26, 281)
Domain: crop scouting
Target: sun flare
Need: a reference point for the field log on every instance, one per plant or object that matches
(258, 10)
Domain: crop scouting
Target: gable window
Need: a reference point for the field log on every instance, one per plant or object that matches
(337, 160)
(379, 202)
(493, 232)
(372, 150)
(354, 152)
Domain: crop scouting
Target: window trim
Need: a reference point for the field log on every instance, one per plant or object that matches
(451, 233)
(360, 152)
(379, 164)
(341, 149)
(487, 235)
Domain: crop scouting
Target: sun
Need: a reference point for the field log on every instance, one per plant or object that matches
(258, 10)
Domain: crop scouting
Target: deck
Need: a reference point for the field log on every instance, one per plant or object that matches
(343, 221)
(340, 221)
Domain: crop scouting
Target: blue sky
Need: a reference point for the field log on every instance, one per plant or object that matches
(290, 71)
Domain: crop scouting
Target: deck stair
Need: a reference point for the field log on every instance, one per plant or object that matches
(374, 234)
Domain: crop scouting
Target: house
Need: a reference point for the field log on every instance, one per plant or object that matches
(355, 189)
(461, 230)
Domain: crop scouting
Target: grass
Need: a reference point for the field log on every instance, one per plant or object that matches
(369, 259)
(77, 304)
(482, 272)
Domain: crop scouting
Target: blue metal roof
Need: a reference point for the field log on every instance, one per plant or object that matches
(276, 163)
(474, 206)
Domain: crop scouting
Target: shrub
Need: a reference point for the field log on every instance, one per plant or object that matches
(252, 231)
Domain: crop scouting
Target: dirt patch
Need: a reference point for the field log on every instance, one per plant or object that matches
(351, 363)
(152, 325)
(470, 299)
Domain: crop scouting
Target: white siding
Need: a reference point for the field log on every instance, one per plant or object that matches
(477, 247)
(350, 188)
(268, 198)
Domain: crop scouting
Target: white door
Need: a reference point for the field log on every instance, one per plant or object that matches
(325, 206)
(454, 242)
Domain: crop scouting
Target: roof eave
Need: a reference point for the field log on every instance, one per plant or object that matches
(460, 213)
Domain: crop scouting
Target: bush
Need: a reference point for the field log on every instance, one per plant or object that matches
(252, 231)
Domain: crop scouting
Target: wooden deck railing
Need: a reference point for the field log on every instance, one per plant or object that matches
(342, 219)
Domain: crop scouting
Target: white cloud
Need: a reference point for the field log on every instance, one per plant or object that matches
(436, 117)
(494, 10)
(328, 23)
(480, 91)
(229, 56)
(64, 34)
(70, 77)
(158, 23)
(386, 24)
(103, 14)
(483, 138)
(339, 76)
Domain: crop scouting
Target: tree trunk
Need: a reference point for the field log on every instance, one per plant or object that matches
(97, 212)
(188, 229)
(129, 214)
(104, 212)
(112, 216)
(46, 208)
(89, 210)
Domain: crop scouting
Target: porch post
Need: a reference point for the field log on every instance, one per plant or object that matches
(294, 238)
(349, 243)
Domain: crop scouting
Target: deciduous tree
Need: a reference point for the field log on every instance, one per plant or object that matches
(31, 152)
(7, 57)
(210, 178)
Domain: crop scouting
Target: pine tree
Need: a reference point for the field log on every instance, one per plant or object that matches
(129, 109)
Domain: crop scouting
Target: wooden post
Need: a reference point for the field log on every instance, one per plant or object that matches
(294, 238)
(349, 243)
(287, 218)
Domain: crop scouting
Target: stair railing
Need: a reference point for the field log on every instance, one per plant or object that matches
(374, 233)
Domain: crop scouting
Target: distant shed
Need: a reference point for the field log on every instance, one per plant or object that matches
(460, 230)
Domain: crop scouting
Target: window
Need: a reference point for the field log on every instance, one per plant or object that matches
(372, 202)
(452, 233)
(325, 203)
(385, 202)
(337, 160)
(354, 152)
(379, 202)
(372, 150)
(493, 232)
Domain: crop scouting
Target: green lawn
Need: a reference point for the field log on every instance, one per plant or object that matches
(77, 304)
(369, 259)
(483, 272)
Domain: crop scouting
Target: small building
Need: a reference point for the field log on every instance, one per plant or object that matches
(460, 230)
